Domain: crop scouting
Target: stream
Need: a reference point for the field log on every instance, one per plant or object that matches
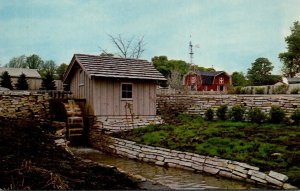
(171, 177)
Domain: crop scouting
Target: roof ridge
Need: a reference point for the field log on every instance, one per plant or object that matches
(114, 57)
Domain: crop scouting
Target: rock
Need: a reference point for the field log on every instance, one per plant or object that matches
(257, 174)
(225, 174)
(274, 181)
(211, 170)
(258, 179)
(278, 176)
(287, 186)
(159, 163)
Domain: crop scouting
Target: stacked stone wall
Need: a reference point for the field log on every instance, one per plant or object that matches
(198, 104)
(111, 124)
(190, 161)
(24, 105)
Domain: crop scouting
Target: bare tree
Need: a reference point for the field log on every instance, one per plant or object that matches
(128, 48)
(175, 79)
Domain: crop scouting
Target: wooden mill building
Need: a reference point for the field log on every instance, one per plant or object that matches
(119, 92)
(207, 81)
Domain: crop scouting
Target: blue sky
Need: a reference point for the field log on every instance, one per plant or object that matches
(231, 33)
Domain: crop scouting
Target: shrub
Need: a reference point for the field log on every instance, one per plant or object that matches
(281, 89)
(236, 113)
(209, 114)
(255, 115)
(238, 90)
(276, 114)
(222, 111)
(260, 90)
(296, 116)
(295, 91)
(6, 80)
(244, 91)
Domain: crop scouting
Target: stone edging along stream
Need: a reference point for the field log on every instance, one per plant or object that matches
(194, 162)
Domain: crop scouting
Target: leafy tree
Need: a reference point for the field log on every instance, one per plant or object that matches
(60, 70)
(160, 63)
(34, 62)
(48, 82)
(17, 62)
(22, 83)
(48, 66)
(291, 58)
(260, 72)
(6, 80)
(238, 79)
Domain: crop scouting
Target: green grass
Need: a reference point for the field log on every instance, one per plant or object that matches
(268, 146)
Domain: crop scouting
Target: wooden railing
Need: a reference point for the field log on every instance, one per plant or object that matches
(56, 94)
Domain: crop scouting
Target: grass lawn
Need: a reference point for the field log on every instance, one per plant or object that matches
(268, 146)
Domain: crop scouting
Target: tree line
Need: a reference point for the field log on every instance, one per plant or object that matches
(48, 70)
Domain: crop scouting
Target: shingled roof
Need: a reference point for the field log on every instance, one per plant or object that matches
(16, 72)
(115, 67)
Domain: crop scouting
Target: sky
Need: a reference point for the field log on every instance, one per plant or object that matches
(231, 34)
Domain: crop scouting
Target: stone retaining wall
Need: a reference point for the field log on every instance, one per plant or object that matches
(194, 162)
(198, 104)
(112, 123)
(24, 105)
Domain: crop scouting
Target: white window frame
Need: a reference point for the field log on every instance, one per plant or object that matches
(121, 91)
(81, 78)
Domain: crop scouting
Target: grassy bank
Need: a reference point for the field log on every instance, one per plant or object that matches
(268, 146)
(29, 159)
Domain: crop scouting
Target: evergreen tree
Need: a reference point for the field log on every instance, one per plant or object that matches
(6, 80)
(48, 82)
(22, 83)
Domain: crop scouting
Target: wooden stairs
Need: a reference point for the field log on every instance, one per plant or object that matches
(75, 125)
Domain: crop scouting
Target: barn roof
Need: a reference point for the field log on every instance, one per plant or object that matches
(16, 72)
(115, 67)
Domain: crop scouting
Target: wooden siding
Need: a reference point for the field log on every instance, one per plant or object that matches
(107, 98)
(84, 91)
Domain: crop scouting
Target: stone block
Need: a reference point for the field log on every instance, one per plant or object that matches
(197, 167)
(225, 174)
(198, 159)
(159, 163)
(257, 174)
(287, 186)
(274, 181)
(235, 177)
(241, 169)
(160, 158)
(211, 170)
(278, 176)
(240, 174)
(247, 166)
(259, 180)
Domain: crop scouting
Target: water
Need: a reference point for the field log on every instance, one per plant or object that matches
(172, 177)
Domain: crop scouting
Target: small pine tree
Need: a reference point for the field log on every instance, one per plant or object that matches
(48, 82)
(6, 80)
(22, 83)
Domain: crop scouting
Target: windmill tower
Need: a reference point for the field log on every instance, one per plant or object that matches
(191, 52)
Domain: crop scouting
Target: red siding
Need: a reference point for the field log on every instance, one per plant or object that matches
(219, 82)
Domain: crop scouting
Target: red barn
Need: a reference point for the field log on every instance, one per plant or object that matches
(207, 81)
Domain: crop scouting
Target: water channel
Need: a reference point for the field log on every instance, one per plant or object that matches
(171, 177)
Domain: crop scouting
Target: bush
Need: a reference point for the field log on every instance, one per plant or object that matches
(296, 116)
(295, 91)
(276, 114)
(244, 91)
(281, 89)
(236, 113)
(255, 115)
(209, 114)
(238, 90)
(259, 90)
(222, 111)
